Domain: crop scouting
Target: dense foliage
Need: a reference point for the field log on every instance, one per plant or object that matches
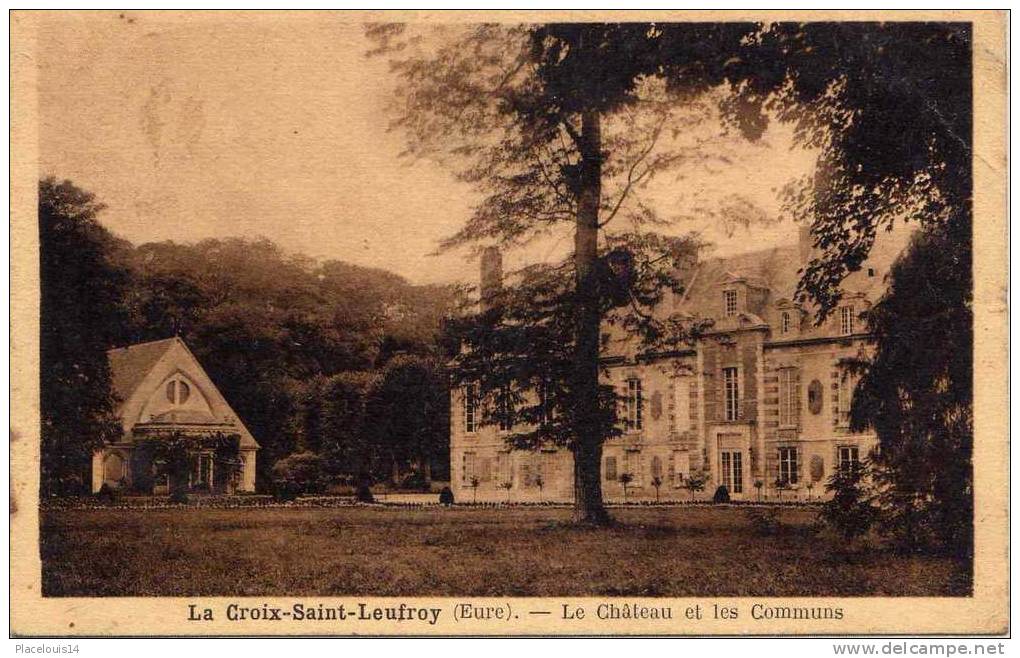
(297, 347)
(917, 391)
(559, 124)
(80, 317)
(890, 107)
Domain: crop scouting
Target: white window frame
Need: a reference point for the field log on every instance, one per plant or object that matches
(731, 465)
(731, 393)
(730, 303)
(846, 320)
(787, 397)
(788, 465)
(470, 409)
(848, 455)
(635, 405)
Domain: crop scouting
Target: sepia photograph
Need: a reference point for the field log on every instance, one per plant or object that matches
(511, 323)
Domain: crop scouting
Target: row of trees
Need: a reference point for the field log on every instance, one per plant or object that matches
(288, 341)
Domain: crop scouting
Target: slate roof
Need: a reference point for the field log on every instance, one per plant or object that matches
(775, 269)
(129, 365)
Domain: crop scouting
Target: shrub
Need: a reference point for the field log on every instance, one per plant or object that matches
(694, 483)
(179, 495)
(108, 494)
(363, 494)
(722, 495)
(446, 496)
(765, 521)
(301, 472)
(285, 490)
(849, 512)
(415, 481)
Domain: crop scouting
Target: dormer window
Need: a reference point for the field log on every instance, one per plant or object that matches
(730, 302)
(846, 320)
(784, 323)
(177, 392)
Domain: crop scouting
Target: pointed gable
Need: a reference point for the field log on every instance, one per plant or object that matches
(141, 375)
(129, 365)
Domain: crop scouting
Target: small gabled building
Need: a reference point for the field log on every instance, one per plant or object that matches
(162, 390)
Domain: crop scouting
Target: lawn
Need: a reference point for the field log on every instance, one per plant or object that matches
(668, 551)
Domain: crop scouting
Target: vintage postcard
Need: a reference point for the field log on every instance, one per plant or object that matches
(508, 323)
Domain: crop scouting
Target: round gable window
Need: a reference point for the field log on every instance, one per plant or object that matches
(183, 391)
(814, 397)
(177, 392)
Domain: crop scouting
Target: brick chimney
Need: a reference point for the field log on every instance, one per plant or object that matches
(491, 276)
(805, 243)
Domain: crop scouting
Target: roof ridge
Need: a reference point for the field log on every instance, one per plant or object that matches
(752, 252)
(148, 342)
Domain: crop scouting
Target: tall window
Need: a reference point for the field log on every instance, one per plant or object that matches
(505, 410)
(545, 403)
(467, 470)
(730, 301)
(610, 468)
(470, 409)
(846, 320)
(788, 465)
(784, 323)
(657, 467)
(632, 466)
(731, 462)
(849, 459)
(844, 399)
(731, 392)
(635, 404)
(787, 397)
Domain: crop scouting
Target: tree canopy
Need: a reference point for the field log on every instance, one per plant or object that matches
(81, 316)
(278, 334)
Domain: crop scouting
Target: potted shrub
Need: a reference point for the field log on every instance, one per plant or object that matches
(625, 480)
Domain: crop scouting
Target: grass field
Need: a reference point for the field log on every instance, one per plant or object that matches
(677, 551)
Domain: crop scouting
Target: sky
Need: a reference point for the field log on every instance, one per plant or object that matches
(277, 126)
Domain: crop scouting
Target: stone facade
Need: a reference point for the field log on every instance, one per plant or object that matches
(759, 404)
(161, 389)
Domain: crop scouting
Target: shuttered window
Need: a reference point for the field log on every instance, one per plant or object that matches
(468, 467)
(611, 469)
(681, 405)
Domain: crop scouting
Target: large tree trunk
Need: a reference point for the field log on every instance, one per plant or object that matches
(588, 506)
